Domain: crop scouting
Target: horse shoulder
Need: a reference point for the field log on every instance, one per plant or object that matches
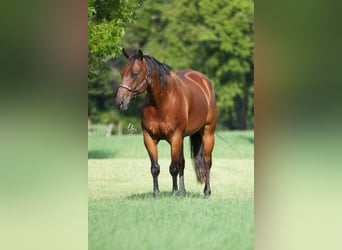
(149, 118)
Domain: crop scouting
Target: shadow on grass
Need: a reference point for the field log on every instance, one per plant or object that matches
(164, 195)
(100, 154)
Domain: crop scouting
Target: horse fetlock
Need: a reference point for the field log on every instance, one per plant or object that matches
(207, 191)
(156, 193)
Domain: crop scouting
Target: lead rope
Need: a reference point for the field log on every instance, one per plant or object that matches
(229, 145)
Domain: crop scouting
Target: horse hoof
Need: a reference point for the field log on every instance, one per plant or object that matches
(207, 193)
(156, 194)
(181, 193)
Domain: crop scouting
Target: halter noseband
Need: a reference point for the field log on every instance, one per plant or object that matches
(137, 88)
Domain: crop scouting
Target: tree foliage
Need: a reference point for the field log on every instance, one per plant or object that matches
(106, 22)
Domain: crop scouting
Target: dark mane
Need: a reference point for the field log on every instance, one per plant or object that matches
(153, 64)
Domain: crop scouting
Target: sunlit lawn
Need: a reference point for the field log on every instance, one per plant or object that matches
(124, 215)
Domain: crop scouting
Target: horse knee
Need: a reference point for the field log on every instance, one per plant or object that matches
(155, 170)
(173, 169)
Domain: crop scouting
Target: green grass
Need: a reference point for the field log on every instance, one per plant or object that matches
(124, 215)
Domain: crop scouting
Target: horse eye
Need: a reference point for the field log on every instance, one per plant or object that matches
(135, 74)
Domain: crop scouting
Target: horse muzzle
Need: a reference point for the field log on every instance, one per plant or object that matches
(122, 100)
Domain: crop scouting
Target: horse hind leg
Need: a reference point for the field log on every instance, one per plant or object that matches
(181, 175)
(208, 146)
(200, 161)
(177, 164)
(177, 168)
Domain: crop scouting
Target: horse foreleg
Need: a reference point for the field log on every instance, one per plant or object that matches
(173, 169)
(152, 149)
(155, 170)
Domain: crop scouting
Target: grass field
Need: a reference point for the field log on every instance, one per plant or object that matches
(122, 213)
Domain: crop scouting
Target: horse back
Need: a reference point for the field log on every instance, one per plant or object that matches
(192, 77)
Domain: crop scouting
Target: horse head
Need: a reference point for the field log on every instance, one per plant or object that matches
(134, 79)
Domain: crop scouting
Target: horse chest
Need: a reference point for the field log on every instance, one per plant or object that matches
(159, 128)
(161, 123)
(165, 128)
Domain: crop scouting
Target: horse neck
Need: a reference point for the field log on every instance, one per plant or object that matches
(157, 93)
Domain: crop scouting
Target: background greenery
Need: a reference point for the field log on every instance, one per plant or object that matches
(211, 36)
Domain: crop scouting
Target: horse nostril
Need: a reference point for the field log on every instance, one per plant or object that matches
(121, 104)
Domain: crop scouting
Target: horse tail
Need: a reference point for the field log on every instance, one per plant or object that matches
(197, 155)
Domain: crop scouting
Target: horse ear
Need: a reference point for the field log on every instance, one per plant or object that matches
(126, 53)
(140, 55)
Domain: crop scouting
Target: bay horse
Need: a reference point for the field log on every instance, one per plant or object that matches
(176, 105)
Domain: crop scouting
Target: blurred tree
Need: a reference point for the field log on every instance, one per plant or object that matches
(106, 21)
(215, 37)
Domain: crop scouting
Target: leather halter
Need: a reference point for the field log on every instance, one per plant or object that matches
(137, 88)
